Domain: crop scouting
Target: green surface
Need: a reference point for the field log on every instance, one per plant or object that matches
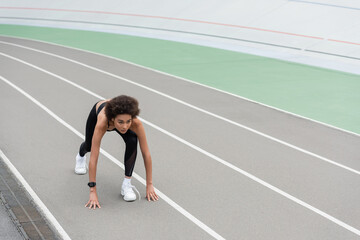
(328, 96)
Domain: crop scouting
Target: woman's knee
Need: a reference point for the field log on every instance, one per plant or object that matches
(84, 148)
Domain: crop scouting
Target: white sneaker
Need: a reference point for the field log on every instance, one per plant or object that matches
(128, 193)
(80, 167)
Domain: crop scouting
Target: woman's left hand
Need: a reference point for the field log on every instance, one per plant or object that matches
(150, 193)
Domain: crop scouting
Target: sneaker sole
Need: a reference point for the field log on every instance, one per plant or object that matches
(80, 172)
(127, 200)
(132, 200)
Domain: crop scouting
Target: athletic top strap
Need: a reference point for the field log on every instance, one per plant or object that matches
(100, 108)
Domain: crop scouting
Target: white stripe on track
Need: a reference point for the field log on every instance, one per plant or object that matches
(189, 105)
(254, 178)
(111, 158)
(35, 197)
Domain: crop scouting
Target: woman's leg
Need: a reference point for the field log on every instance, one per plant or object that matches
(89, 132)
(80, 165)
(131, 141)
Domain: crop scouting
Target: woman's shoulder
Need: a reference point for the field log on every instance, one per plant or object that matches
(99, 103)
(136, 124)
(102, 121)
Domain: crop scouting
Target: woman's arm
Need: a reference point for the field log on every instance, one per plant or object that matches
(94, 155)
(138, 128)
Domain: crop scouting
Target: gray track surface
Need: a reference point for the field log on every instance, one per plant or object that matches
(228, 202)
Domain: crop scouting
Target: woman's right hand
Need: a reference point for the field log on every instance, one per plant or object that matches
(93, 201)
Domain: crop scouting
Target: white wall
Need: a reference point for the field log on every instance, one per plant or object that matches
(328, 26)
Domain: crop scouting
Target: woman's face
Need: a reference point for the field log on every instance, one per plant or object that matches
(122, 122)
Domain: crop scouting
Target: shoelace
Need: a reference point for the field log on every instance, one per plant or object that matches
(133, 187)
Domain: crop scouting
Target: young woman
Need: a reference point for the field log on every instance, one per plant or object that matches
(117, 114)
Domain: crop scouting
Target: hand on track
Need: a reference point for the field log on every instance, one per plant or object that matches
(93, 202)
(150, 193)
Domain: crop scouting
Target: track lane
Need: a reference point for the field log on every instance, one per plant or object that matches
(289, 176)
(196, 108)
(264, 232)
(327, 142)
(63, 179)
(76, 71)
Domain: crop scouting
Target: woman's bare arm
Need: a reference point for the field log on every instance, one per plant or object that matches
(99, 132)
(138, 128)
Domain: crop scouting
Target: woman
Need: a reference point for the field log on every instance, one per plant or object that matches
(117, 114)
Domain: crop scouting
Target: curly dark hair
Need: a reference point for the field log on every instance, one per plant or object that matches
(122, 105)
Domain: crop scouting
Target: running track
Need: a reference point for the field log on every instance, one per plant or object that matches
(224, 167)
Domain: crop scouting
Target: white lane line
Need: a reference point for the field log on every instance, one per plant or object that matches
(254, 178)
(188, 105)
(117, 162)
(35, 197)
(177, 77)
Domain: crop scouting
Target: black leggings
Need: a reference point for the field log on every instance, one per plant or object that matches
(129, 137)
